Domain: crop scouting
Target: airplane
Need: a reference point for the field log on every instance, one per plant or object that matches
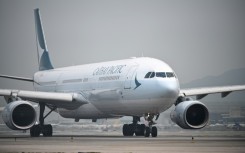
(137, 87)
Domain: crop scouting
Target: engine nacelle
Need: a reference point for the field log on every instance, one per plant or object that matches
(190, 115)
(19, 115)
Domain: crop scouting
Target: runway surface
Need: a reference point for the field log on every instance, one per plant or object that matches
(117, 143)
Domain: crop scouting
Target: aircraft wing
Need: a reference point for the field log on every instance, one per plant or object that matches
(60, 100)
(202, 92)
(16, 78)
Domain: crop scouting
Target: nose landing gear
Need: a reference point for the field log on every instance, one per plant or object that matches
(150, 129)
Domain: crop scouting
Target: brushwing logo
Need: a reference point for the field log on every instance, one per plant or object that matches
(136, 83)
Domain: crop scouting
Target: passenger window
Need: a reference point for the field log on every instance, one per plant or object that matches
(148, 75)
(152, 75)
(170, 74)
(161, 74)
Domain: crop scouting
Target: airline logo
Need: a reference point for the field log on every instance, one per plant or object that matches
(104, 70)
(136, 83)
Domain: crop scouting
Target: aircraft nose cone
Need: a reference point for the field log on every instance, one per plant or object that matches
(170, 89)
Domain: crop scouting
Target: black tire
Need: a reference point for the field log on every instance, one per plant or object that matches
(140, 129)
(154, 131)
(131, 129)
(147, 132)
(47, 130)
(125, 130)
(35, 131)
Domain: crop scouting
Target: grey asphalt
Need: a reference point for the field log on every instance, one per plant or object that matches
(118, 143)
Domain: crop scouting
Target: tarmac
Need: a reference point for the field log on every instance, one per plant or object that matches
(113, 142)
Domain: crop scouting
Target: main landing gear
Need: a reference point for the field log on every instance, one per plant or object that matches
(46, 130)
(134, 128)
(141, 129)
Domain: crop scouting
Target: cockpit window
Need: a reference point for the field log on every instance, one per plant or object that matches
(161, 74)
(148, 75)
(152, 75)
(170, 74)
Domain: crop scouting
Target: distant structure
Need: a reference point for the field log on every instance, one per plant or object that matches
(226, 113)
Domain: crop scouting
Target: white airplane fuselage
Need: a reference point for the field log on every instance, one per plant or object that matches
(137, 87)
(113, 89)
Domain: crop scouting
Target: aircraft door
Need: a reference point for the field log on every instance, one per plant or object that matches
(129, 77)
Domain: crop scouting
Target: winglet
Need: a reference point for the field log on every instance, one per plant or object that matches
(44, 61)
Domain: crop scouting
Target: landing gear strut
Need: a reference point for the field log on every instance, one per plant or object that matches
(134, 128)
(46, 130)
(150, 129)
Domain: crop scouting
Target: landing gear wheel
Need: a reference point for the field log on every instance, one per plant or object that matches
(147, 132)
(128, 130)
(131, 130)
(140, 129)
(47, 130)
(35, 131)
(134, 128)
(125, 129)
(154, 131)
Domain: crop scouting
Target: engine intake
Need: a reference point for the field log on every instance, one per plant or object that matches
(190, 115)
(19, 115)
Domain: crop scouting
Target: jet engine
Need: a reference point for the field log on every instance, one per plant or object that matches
(19, 115)
(190, 115)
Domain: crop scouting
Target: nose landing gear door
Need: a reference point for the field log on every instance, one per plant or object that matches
(129, 77)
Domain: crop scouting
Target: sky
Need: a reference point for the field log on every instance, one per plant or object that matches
(196, 38)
